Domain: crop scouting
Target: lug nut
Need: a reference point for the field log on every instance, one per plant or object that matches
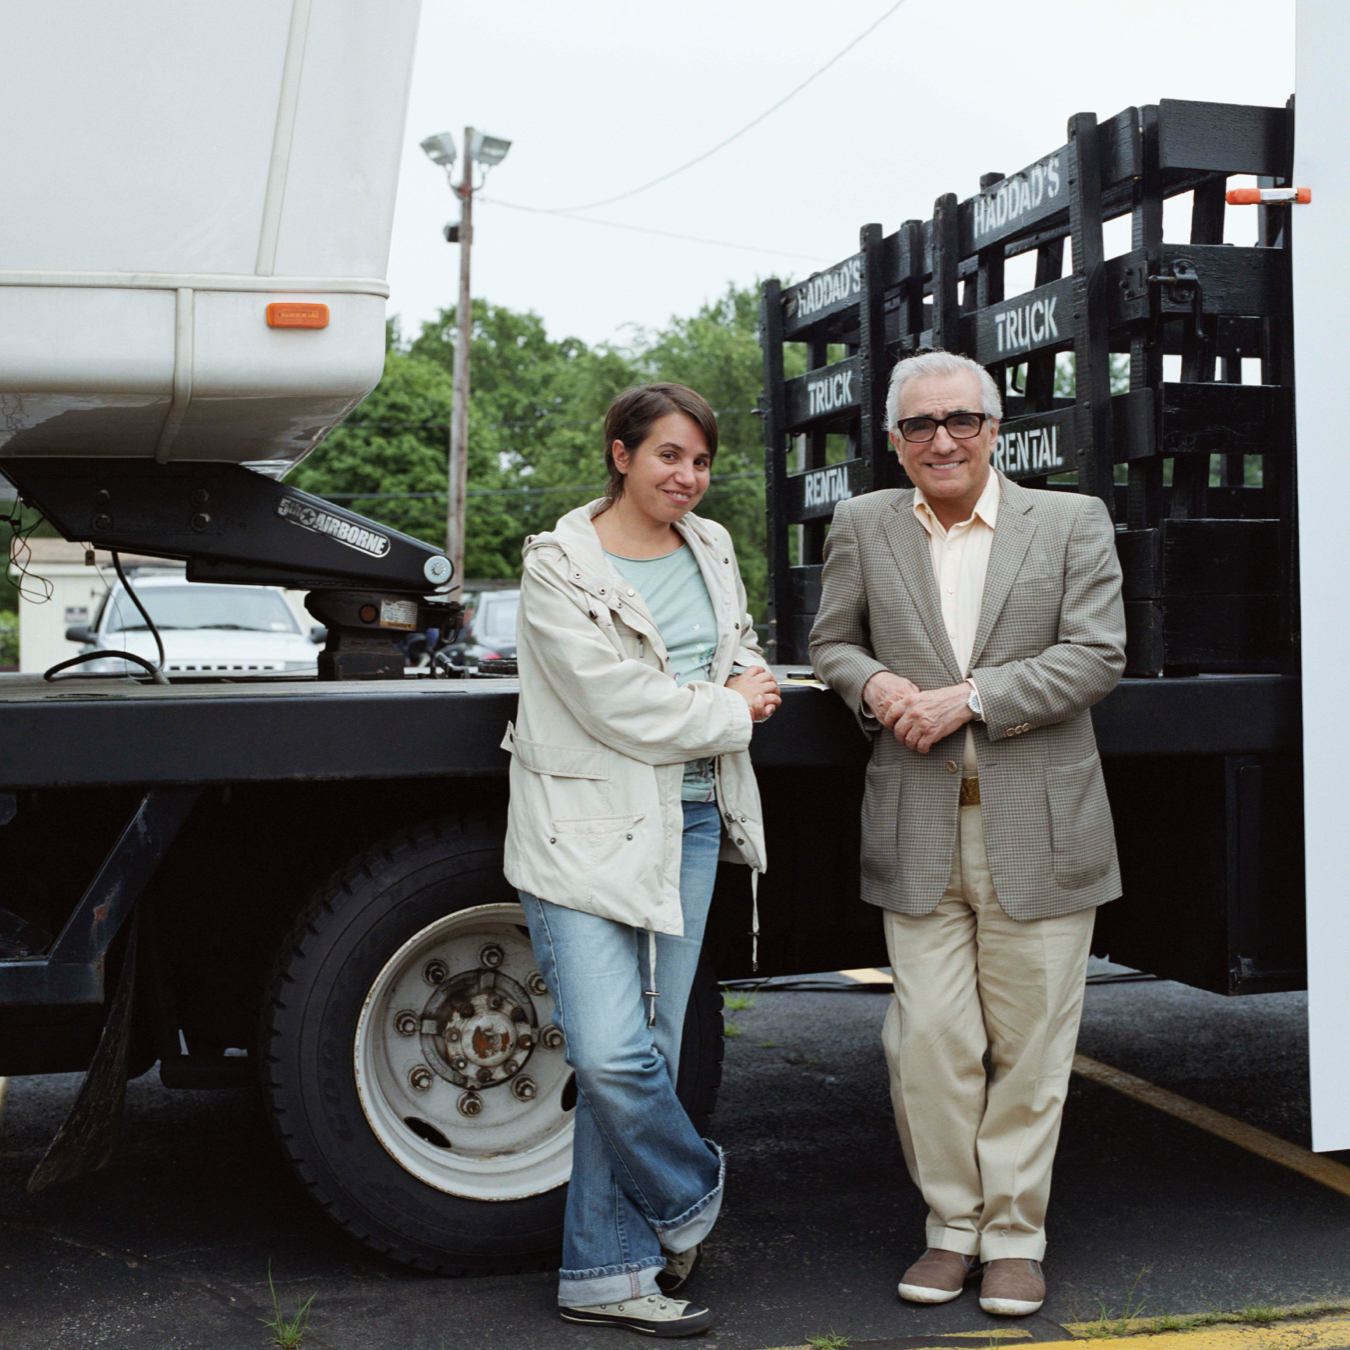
(524, 1088)
(510, 1067)
(420, 1078)
(465, 1010)
(536, 984)
(518, 1014)
(452, 1034)
(460, 1063)
(485, 1075)
(551, 1038)
(470, 1104)
(434, 972)
(491, 956)
(406, 1023)
(525, 1042)
(495, 1003)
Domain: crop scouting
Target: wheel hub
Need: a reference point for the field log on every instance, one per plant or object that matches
(479, 1029)
(461, 1074)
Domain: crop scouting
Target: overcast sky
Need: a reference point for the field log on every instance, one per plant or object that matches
(600, 96)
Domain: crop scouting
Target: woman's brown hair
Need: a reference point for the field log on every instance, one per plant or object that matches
(631, 416)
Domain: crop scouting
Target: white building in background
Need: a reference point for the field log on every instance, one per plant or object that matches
(58, 588)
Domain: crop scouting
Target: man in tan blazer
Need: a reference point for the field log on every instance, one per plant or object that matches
(970, 624)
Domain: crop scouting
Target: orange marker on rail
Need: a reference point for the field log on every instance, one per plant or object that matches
(1267, 196)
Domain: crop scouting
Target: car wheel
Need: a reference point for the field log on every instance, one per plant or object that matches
(413, 1075)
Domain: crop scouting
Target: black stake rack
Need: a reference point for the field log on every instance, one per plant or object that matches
(1209, 559)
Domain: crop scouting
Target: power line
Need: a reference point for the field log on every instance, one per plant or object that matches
(721, 145)
(643, 229)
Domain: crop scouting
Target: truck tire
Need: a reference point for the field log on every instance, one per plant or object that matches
(410, 1068)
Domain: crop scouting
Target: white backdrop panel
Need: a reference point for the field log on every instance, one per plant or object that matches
(1321, 263)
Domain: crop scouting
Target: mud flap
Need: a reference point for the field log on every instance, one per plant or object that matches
(89, 1136)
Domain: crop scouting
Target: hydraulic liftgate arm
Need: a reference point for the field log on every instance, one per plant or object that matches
(368, 585)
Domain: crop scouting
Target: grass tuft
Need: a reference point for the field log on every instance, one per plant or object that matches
(1170, 1323)
(1260, 1313)
(738, 1002)
(287, 1332)
(828, 1340)
(1107, 1324)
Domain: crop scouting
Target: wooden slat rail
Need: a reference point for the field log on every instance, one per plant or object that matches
(941, 283)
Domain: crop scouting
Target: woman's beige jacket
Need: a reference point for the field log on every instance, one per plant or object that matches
(603, 731)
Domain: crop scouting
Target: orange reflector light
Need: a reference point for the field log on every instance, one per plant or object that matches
(287, 314)
(1267, 196)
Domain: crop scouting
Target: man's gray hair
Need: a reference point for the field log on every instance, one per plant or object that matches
(940, 363)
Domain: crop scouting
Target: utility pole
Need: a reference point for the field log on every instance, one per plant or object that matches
(459, 411)
(488, 151)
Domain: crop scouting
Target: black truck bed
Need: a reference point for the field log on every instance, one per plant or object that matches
(83, 733)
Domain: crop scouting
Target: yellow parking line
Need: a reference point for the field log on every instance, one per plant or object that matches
(866, 975)
(990, 1334)
(1334, 1332)
(1264, 1145)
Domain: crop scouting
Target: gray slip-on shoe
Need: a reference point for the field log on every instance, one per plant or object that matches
(938, 1276)
(1013, 1286)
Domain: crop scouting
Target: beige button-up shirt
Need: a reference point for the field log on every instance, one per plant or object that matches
(960, 561)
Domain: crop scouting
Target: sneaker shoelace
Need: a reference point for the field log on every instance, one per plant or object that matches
(661, 1304)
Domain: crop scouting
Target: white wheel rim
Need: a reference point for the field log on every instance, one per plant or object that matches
(413, 1080)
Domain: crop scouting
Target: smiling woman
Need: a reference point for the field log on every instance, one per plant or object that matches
(669, 435)
(640, 684)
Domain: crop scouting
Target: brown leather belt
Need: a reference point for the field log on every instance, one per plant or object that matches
(970, 792)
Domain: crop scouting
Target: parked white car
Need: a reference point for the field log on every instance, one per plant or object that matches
(209, 631)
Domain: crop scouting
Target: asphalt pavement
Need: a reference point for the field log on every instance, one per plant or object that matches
(171, 1245)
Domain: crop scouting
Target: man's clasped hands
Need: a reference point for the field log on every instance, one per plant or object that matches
(918, 718)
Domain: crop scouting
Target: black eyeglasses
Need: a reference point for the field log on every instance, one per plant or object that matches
(961, 426)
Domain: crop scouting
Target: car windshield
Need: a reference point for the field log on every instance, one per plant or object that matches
(497, 616)
(242, 608)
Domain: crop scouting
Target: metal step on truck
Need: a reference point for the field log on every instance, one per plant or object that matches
(295, 881)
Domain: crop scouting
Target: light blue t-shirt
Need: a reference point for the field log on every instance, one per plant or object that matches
(676, 596)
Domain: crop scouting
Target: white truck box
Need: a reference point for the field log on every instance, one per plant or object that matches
(183, 164)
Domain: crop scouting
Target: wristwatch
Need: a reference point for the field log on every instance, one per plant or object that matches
(973, 703)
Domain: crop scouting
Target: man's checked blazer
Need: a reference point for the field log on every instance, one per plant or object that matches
(1050, 643)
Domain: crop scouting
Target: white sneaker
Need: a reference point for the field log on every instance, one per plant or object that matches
(652, 1315)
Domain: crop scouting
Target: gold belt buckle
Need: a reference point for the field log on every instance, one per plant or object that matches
(970, 792)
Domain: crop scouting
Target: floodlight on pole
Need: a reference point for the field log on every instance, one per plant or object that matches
(441, 149)
(488, 150)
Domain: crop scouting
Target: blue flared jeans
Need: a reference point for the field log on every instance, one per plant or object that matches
(644, 1182)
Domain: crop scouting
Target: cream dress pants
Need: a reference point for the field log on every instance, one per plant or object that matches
(969, 979)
